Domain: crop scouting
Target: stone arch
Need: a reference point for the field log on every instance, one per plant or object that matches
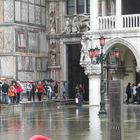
(124, 42)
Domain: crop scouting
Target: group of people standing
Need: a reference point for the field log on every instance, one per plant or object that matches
(10, 93)
(133, 93)
(13, 93)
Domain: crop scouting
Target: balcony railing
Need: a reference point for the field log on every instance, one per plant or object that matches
(113, 22)
(107, 22)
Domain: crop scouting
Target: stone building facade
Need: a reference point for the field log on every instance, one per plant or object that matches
(23, 53)
(66, 23)
(75, 29)
(118, 22)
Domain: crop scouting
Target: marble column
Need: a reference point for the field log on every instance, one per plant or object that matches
(118, 7)
(85, 7)
(93, 71)
(94, 14)
(94, 90)
(118, 13)
(104, 10)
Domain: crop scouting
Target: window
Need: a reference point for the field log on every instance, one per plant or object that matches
(30, 12)
(70, 7)
(21, 39)
(78, 6)
(88, 6)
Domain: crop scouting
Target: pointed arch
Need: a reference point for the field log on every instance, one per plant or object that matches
(124, 42)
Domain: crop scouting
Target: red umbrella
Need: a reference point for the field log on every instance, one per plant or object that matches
(39, 137)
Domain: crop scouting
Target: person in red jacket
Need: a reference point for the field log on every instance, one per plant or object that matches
(40, 90)
(19, 90)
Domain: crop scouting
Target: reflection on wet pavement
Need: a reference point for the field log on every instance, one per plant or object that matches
(64, 123)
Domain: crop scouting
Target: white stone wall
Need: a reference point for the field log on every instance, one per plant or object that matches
(7, 67)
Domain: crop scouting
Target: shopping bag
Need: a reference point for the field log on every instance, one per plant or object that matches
(76, 100)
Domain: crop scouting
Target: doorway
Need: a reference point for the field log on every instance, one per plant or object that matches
(76, 73)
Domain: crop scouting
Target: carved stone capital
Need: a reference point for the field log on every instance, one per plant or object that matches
(93, 69)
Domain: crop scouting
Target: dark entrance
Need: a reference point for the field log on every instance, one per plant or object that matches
(75, 71)
(130, 7)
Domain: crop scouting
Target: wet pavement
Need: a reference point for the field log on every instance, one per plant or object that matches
(63, 122)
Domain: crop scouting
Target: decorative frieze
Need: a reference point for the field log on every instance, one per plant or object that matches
(77, 24)
(8, 10)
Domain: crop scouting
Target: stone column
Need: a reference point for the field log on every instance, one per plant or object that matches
(85, 7)
(104, 8)
(92, 70)
(94, 89)
(64, 62)
(118, 13)
(93, 14)
(118, 7)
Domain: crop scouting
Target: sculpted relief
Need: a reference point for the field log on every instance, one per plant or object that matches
(86, 43)
(85, 61)
(77, 24)
(53, 52)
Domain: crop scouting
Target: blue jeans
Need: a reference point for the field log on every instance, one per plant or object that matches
(4, 98)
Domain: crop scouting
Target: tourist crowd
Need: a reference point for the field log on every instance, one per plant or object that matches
(13, 93)
(133, 93)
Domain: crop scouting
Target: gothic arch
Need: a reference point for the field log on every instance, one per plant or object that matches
(124, 42)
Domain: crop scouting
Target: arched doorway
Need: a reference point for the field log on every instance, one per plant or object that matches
(123, 67)
(76, 73)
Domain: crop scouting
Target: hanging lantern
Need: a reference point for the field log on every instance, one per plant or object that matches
(116, 53)
(97, 52)
(102, 41)
(91, 53)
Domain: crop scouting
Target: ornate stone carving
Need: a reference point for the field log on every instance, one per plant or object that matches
(93, 69)
(52, 18)
(85, 61)
(53, 52)
(52, 22)
(77, 24)
(68, 26)
(86, 43)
